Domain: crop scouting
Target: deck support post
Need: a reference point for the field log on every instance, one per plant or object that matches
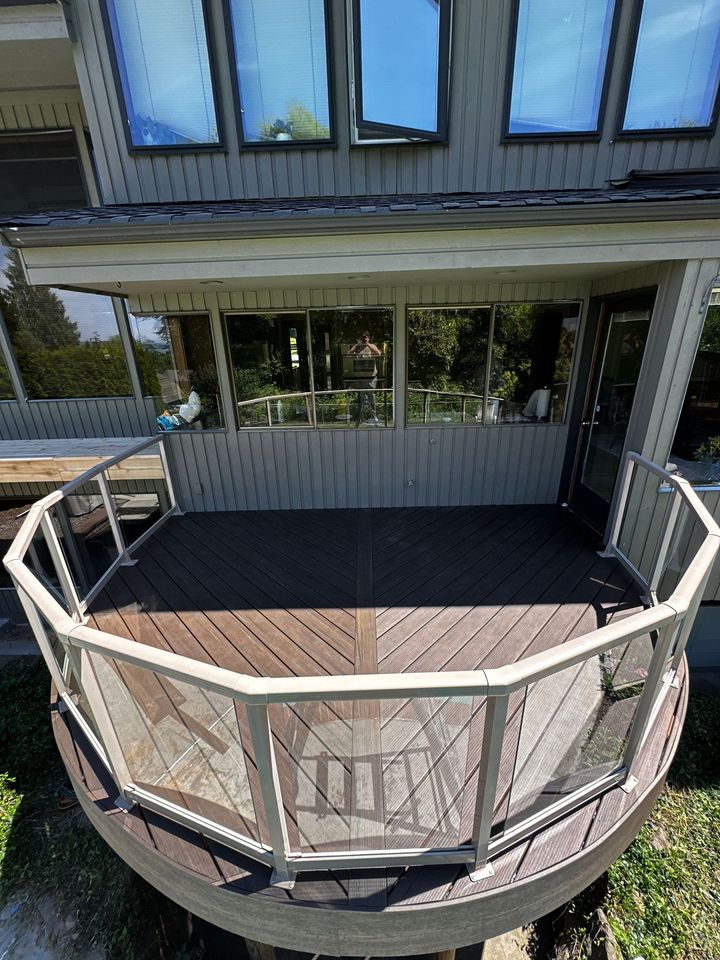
(259, 722)
(496, 709)
(648, 697)
(114, 521)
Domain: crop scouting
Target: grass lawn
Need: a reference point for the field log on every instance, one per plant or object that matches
(662, 897)
(49, 853)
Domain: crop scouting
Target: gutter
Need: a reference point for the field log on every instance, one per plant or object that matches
(323, 222)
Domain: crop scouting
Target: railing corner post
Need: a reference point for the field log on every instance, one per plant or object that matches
(496, 709)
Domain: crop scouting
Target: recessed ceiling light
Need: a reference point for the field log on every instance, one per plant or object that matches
(359, 276)
(211, 283)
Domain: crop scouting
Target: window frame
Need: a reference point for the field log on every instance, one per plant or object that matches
(492, 306)
(399, 134)
(217, 355)
(170, 148)
(310, 427)
(569, 136)
(50, 131)
(654, 133)
(237, 95)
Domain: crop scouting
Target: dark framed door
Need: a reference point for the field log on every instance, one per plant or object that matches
(622, 326)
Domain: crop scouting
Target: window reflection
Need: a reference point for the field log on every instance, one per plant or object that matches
(531, 358)
(178, 369)
(696, 448)
(6, 388)
(447, 356)
(67, 343)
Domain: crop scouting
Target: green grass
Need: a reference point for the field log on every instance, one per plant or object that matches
(662, 899)
(46, 851)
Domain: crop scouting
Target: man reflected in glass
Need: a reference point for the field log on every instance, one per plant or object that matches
(365, 374)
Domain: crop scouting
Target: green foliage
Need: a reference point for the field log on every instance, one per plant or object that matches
(709, 450)
(300, 124)
(661, 898)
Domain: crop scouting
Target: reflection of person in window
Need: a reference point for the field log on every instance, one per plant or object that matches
(365, 368)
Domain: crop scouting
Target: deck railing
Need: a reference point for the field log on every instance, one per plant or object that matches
(311, 773)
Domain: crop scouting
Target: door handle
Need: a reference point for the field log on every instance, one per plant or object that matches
(590, 423)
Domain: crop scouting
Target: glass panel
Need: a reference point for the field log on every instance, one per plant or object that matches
(181, 743)
(6, 387)
(282, 69)
(139, 491)
(696, 448)
(177, 364)
(164, 68)
(38, 559)
(270, 368)
(447, 354)
(376, 774)
(624, 349)
(560, 56)
(40, 172)
(571, 728)
(399, 58)
(532, 354)
(67, 343)
(352, 356)
(675, 72)
(85, 535)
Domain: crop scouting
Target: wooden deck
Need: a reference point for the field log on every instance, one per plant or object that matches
(364, 591)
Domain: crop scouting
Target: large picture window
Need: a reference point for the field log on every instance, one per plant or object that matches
(40, 171)
(695, 451)
(281, 58)
(164, 70)
(320, 368)
(178, 369)
(401, 52)
(674, 79)
(67, 344)
(507, 364)
(561, 52)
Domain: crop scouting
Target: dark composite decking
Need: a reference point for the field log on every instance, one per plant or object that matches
(364, 591)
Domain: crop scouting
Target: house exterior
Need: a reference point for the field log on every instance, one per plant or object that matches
(357, 257)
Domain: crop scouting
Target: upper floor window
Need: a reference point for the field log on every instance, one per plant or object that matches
(561, 51)
(695, 451)
(67, 344)
(164, 71)
(40, 171)
(674, 79)
(401, 58)
(281, 57)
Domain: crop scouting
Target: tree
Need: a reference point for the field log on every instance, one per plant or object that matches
(36, 317)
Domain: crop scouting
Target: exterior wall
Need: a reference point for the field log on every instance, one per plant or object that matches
(475, 159)
(52, 419)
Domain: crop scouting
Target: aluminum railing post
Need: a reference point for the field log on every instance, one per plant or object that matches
(89, 685)
(61, 568)
(617, 517)
(688, 623)
(168, 476)
(648, 698)
(38, 628)
(259, 723)
(114, 520)
(657, 569)
(496, 709)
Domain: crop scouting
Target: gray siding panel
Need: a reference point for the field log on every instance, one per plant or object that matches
(474, 159)
(54, 419)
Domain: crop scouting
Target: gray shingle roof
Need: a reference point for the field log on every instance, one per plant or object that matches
(339, 207)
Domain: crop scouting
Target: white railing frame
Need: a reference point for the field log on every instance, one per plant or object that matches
(670, 621)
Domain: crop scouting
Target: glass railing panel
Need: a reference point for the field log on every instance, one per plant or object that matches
(375, 774)
(181, 743)
(687, 539)
(140, 493)
(39, 560)
(85, 535)
(573, 727)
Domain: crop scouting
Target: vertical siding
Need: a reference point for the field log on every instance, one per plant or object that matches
(54, 419)
(475, 158)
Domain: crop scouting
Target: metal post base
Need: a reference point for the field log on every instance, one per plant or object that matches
(629, 784)
(671, 678)
(123, 804)
(606, 553)
(481, 872)
(282, 880)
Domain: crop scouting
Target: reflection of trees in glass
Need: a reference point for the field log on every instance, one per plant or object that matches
(447, 349)
(53, 359)
(300, 124)
(699, 422)
(6, 390)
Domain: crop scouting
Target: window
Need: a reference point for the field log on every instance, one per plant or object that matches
(6, 387)
(530, 346)
(67, 344)
(164, 71)
(561, 51)
(320, 368)
(40, 171)
(401, 53)
(281, 57)
(674, 79)
(696, 448)
(178, 369)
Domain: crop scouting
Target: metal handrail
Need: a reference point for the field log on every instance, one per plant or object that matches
(669, 621)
